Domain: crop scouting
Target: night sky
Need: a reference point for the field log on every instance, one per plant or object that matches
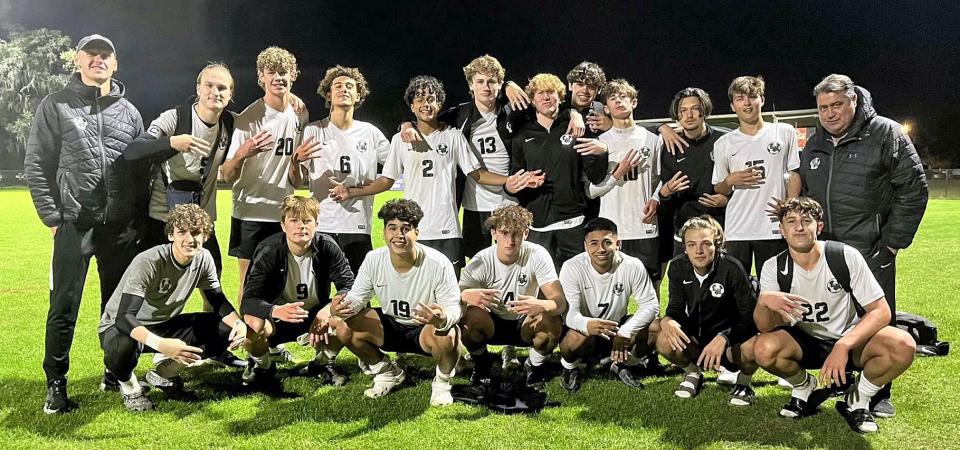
(907, 56)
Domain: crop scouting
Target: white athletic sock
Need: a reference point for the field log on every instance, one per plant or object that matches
(803, 385)
(692, 369)
(131, 386)
(445, 376)
(536, 358)
(169, 368)
(380, 365)
(744, 379)
(261, 361)
(567, 364)
(862, 394)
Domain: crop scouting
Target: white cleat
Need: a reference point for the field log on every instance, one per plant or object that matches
(440, 394)
(385, 381)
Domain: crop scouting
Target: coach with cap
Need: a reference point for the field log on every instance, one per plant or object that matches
(866, 173)
(81, 188)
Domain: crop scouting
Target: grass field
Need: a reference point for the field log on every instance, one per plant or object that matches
(604, 414)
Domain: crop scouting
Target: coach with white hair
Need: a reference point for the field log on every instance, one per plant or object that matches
(865, 171)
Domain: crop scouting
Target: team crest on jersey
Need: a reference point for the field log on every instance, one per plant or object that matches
(362, 145)
(833, 286)
(645, 152)
(299, 127)
(443, 149)
(815, 163)
(774, 148)
(566, 139)
(164, 286)
(716, 290)
(618, 288)
(522, 279)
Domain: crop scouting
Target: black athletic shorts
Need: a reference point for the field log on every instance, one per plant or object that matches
(476, 234)
(598, 347)
(755, 252)
(815, 350)
(284, 332)
(507, 332)
(703, 341)
(398, 337)
(355, 247)
(451, 248)
(646, 250)
(246, 234)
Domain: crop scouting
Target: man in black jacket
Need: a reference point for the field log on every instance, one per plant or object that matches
(559, 204)
(81, 192)
(286, 294)
(866, 173)
(709, 318)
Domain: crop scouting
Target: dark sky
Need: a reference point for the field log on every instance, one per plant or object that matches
(906, 53)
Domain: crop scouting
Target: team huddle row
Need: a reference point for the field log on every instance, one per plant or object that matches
(585, 208)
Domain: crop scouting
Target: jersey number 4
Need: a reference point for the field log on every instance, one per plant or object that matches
(400, 308)
(284, 147)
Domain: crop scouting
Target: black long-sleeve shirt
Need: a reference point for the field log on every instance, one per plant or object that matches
(696, 162)
(562, 195)
(722, 304)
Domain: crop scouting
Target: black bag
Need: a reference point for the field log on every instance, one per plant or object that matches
(924, 332)
(503, 397)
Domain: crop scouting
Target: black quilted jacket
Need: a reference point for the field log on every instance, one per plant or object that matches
(73, 165)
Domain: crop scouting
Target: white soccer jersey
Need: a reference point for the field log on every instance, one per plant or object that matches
(263, 181)
(431, 280)
(774, 151)
(301, 283)
(350, 157)
(486, 139)
(533, 269)
(830, 313)
(623, 201)
(606, 296)
(186, 166)
(429, 178)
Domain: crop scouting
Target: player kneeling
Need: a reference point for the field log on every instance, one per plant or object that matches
(145, 313)
(420, 306)
(598, 285)
(500, 293)
(709, 317)
(286, 294)
(807, 313)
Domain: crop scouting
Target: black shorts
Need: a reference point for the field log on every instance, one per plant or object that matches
(451, 248)
(756, 252)
(246, 234)
(355, 247)
(476, 234)
(703, 341)
(507, 332)
(815, 350)
(598, 347)
(646, 250)
(398, 337)
(154, 234)
(284, 332)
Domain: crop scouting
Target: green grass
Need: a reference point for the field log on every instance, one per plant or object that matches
(604, 414)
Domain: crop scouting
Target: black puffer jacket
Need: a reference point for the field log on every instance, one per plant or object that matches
(871, 185)
(73, 165)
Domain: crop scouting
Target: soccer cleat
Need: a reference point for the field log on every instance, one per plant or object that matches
(860, 420)
(385, 381)
(333, 374)
(510, 360)
(883, 408)
(570, 380)
(440, 391)
(57, 399)
(535, 375)
(742, 395)
(627, 374)
(137, 402)
(109, 382)
(258, 376)
(227, 358)
(172, 387)
(482, 368)
(690, 385)
(280, 353)
(726, 377)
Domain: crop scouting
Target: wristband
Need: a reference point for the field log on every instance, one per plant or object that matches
(153, 341)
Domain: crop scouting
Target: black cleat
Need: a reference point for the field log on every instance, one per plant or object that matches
(58, 401)
(570, 380)
(109, 382)
(228, 359)
(535, 375)
(860, 420)
(259, 377)
(629, 375)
